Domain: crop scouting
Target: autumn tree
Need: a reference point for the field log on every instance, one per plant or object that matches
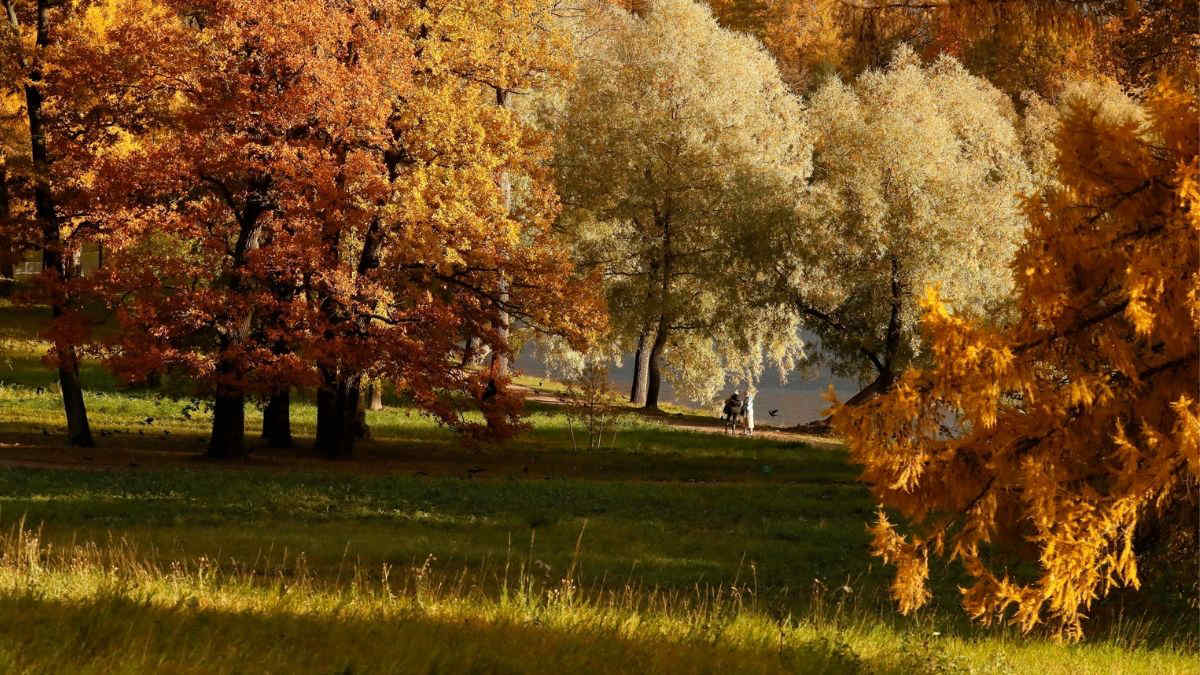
(40, 225)
(463, 245)
(12, 142)
(278, 109)
(1018, 45)
(667, 141)
(1152, 38)
(917, 175)
(327, 207)
(1042, 45)
(1076, 426)
(813, 39)
(75, 83)
(744, 16)
(10, 249)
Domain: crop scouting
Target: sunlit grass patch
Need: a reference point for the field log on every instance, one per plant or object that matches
(89, 607)
(669, 550)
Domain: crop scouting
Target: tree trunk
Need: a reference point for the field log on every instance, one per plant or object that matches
(500, 357)
(8, 257)
(229, 427)
(375, 395)
(879, 385)
(886, 366)
(468, 352)
(79, 433)
(340, 419)
(339, 423)
(53, 254)
(641, 366)
(326, 412)
(277, 422)
(885, 363)
(654, 371)
(638, 378)
(228, 442)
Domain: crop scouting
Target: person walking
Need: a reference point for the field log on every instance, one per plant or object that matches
(729, 413)
(747, 413)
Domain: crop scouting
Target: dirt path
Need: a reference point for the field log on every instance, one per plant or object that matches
(692, 421)
(30, 450)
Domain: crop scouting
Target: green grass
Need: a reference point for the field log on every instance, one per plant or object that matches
(110, 608)
(670, 551)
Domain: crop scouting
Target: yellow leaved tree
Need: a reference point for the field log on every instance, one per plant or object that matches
(1066, 434)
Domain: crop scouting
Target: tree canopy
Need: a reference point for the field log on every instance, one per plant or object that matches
(1076, 426)
(673, 136)
(917, 179)
(328, 205)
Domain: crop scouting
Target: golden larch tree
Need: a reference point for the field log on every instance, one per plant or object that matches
(1076, 425)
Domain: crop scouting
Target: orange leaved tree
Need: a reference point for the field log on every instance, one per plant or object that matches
(458, 243)
(1075, 426)
(275, 112)
(327, 204)
(74, 83)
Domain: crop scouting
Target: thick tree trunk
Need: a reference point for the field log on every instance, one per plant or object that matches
(654, 371)
(641, 368)
(229, 427)
(79, 433)
(326, 412)
(339, 417)
(226, 441)
(277, 420)
(349, 420)
(53, 254)
(500, 365)
(879, 385)
(500, 356)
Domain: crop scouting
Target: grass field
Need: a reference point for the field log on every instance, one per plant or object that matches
(672, 551)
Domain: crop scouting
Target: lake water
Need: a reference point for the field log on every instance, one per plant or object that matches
(798, 401)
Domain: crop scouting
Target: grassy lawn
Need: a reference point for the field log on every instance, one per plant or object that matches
(671, 551)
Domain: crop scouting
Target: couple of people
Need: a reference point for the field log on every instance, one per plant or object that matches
(739, 411)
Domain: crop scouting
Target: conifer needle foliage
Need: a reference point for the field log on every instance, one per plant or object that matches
(1078, 423)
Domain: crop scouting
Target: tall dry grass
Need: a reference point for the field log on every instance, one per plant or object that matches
(107, 607)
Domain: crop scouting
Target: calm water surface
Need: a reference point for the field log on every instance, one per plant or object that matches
(798, 401)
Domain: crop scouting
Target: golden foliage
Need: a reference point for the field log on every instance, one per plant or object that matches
(1018, 45)
(1078, 421)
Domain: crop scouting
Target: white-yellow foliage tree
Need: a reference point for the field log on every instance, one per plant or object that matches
(675, 134)
(918, 172)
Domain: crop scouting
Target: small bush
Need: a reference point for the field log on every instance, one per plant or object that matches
(592, 407)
